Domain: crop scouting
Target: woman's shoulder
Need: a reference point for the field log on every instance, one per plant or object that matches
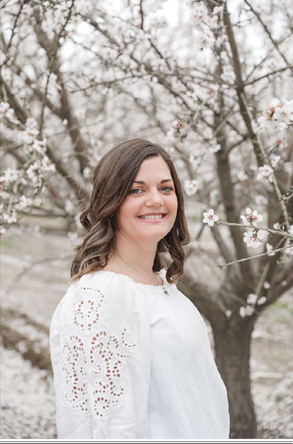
(89, 289)
(96, 279)
(96, 296)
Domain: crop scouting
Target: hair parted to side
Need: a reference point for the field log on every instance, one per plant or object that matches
(113, 177)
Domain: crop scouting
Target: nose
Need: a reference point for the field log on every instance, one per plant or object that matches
(154, 199)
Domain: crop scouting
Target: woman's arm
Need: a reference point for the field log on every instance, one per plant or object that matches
(101, 359)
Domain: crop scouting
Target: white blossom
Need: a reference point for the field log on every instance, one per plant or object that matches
(228, 314)
(277, 117)
(210, 218)
(284, 112)
(29, 135)
(252, 298)
(87, 173)
(215, 148)
(251, 218)
(266, 285)
(10, 175)
(190, 187)
(252, 238)
(265, 173)
(10, 218)
(270, 248)
(31, 123)
(32, 171)
(205, 40)
(218, 10)
(8, 113)
(4, 107)
(261, 300)
(241, 175)
(282, 143)
(40, 146)
(246, 311)
(177, 130)
(47, 165)
(200, 14)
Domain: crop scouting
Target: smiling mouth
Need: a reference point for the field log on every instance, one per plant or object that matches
(153, 217)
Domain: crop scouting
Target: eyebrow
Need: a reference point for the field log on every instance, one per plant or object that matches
(162, 181)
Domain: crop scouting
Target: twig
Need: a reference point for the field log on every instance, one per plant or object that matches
(253, 257)
(269, 230)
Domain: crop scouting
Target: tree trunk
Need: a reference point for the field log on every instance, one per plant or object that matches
(232, 349)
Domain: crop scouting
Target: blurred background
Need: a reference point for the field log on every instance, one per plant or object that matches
(211, 82)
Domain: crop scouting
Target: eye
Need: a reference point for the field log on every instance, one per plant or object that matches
(169, 189)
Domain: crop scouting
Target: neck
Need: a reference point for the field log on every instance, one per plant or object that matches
(140, 255)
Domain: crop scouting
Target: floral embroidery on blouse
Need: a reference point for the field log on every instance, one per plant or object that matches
(88, 308)
(92, 351)
(74, 370)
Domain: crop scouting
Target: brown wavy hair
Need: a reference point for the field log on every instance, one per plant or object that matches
(113, 177)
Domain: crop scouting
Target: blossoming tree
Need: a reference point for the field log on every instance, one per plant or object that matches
(213, 83)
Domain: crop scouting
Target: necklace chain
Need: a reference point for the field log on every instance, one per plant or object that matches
(116, 254)
(164, 288)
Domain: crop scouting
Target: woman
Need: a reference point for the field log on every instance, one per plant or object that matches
(130, 353)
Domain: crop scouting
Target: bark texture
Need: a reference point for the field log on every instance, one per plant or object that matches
(232, 348)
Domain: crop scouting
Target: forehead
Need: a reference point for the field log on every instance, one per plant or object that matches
(154, 167)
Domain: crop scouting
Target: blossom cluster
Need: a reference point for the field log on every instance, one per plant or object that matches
(265, 174)
(192, 186)
(253, 236)
(15, 182)
(277, 117)
(6, 112)
(206, 25)
(252, 301)
(178, 130)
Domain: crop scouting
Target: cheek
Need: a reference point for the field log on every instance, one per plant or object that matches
(127, 210)
(173, 204)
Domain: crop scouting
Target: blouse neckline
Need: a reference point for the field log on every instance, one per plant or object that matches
(140, 284)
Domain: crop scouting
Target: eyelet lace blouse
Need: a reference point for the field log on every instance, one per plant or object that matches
(130, 362)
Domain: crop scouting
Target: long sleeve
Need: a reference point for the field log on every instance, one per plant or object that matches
(101, 357)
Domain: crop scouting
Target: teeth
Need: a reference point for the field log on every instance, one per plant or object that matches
(152, 217)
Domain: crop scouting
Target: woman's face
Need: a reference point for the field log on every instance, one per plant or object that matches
(149, 195)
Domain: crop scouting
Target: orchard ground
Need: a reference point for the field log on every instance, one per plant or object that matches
(35, 265)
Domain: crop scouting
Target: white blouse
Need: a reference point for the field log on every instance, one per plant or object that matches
(130, 361)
